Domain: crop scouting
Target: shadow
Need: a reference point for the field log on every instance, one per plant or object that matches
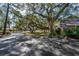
(24, 46)
(7, 47)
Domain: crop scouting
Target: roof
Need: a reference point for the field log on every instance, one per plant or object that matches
(71, 22)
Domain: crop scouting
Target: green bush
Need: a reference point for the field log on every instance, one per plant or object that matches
(72, 31)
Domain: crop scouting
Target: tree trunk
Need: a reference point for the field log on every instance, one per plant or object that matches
(5, 23)
(50, 24)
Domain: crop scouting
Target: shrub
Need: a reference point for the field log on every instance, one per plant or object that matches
(72, 32)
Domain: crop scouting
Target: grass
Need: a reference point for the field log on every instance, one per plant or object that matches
(39, 33)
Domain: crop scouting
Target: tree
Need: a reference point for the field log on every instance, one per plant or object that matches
(48, 9)
(5, 23)
(55, 18)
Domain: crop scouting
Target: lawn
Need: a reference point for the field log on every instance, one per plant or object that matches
(36, 33)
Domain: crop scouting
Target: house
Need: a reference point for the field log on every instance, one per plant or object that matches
(70, 23)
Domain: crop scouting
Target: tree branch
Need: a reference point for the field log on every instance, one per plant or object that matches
(40, 14)
(66, 5)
